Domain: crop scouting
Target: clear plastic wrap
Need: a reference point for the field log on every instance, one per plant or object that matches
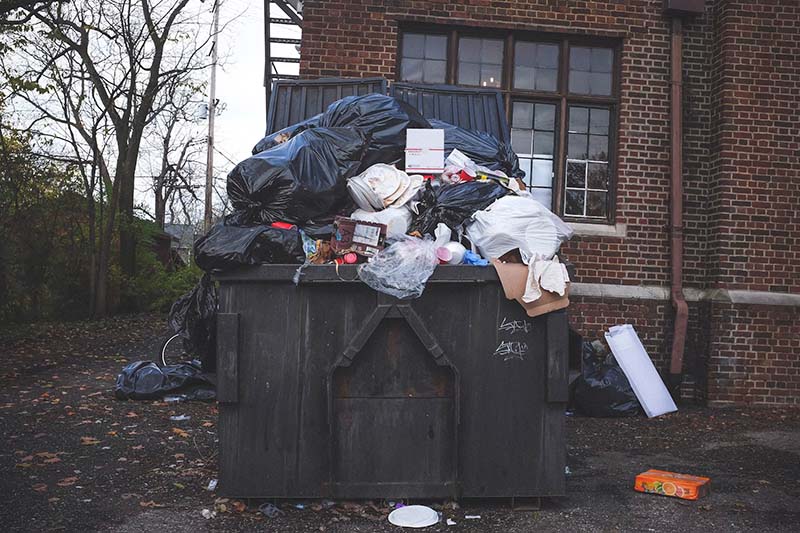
(402, 269)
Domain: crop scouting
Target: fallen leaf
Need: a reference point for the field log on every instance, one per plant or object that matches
(112, 433)
(239, 507)
(179, 456)
(46, 455)
(208, 424)
(52, 460)
(23, 465)
(53, 499)
(89, 441)
(181, 433)
(40, 487)
(150, 504)
(137, 447)
(27, 458)
(67, 481)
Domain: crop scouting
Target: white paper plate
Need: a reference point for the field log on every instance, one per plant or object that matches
(414, 516)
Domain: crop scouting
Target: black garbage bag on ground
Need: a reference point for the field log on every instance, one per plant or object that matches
(281, 136)
(602, 389)
(194, 317)
(453, 204)
(383, 118)
(225, 247)
(144, 380)
(299, 181)
(483, 148)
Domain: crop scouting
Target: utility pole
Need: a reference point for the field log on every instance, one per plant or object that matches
(212, 111)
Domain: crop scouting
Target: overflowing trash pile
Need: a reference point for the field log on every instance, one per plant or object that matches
(334, 189)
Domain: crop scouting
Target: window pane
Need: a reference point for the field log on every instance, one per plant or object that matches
(469, 73)
(576, 174)
(525, 166)
(600, 83)
(541, 173)
(574, 202)
(543, 143)
(545, 117)
(596, 204)
(598, 176)
(580, 58)
(434, 71)
(599, 121)
(411, 69)
(522, 115)
(578, 82)
(492, 51)
(521, 141)
(598, 147)
(546, 79)
(436, 47)
(602, 59)
(578, 119)
(491, 75)
(577, 146)
(523, 77)
(469, 49)
(547, 55)
(543, 196)
(413, 45)
(525, 54)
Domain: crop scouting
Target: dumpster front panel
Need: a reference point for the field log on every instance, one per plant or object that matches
(340, 391)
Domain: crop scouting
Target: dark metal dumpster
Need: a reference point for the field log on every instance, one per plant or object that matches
(330, 389)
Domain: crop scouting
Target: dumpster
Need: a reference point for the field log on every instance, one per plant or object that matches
(330, 389)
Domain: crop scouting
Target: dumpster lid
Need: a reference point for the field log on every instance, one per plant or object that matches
(293, 101)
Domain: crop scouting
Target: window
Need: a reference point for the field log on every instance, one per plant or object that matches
(561, 98)
(424, 58)
(480, 62)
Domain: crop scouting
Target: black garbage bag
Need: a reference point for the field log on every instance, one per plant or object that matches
(453, 204)
(483, 148)
(281, 136)
(299, 181)
(144, 380)
(226, 246)
(383, 118)
(194, 317)
(602, 389)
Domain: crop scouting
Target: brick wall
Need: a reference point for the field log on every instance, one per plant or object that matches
(740, 150)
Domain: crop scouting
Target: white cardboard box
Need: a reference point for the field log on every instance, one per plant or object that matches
(424, 151)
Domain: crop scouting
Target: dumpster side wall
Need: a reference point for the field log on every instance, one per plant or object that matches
(741, 232)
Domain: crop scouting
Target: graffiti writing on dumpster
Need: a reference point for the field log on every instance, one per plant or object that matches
(514, 326)
(509, 350)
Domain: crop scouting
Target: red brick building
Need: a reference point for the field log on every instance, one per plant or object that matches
(587, 91)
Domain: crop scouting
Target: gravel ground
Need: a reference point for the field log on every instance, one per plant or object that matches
(76, 459)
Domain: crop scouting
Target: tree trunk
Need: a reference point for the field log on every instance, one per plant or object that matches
(160, 209)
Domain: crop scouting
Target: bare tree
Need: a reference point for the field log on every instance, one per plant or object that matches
(93, 74)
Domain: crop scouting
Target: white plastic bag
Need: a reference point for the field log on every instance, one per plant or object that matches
(402, 269)
(513, 222)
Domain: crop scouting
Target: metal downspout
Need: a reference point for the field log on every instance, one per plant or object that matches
(676, 207)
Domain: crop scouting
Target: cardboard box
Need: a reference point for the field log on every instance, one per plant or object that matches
(359, 236)
(514, 277)
(671, 484)
(424, 151)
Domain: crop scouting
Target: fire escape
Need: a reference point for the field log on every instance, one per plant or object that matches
(275, 66)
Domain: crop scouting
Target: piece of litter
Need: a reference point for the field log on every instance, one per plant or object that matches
(179, 418)
(269, 510)
(414, 516)
(212, 485)
(567, 471)
(173, 399)
(299, 506)
(451, 522)
(472, 516)
(208, 514)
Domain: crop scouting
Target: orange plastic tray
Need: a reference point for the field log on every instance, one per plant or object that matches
(672, 484)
